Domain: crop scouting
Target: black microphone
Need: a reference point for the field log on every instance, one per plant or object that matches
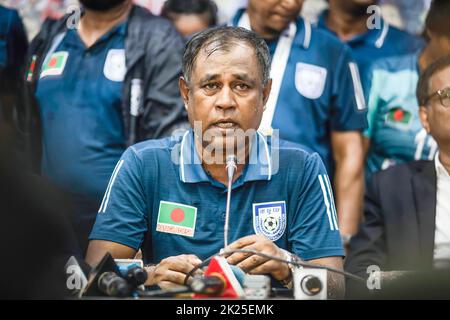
(113, 285)
(136, 276)
(209, 285)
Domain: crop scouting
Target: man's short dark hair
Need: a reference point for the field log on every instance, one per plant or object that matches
(207, 7)
(438, 17)
(223, 39)
(423, 87)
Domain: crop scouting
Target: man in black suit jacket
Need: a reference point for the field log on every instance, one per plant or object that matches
(407, 207)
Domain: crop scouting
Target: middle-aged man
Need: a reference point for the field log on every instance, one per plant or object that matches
(407, 207)
(96, 86)
(281, 195)
(316, 97)
(360, 25)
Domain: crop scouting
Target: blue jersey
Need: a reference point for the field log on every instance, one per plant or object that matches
(395, 130)
(319, 88)
(161, 199)
(79, 92)
(382, 42)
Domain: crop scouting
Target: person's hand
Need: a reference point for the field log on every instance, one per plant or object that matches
(172, 271)
(254, 264)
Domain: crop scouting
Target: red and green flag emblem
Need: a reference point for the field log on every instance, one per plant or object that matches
(399, 116)
(176, 218)
(54, 65)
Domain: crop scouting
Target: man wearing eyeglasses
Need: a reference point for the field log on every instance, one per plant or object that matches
(407, 207)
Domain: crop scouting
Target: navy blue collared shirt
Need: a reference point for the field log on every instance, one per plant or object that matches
(79, 92)
(320, 91)
(161, 199)
(383, 42)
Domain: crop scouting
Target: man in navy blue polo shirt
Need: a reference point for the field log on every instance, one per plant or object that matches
(360, 25)
(99, 86)
(316, 99)
(168, 197)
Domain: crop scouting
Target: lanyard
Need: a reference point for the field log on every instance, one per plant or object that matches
(278, 67)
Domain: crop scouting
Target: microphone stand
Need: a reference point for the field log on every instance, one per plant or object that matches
(231, 169)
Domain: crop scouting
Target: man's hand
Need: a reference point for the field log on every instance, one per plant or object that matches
(254, 264)
(172, 271)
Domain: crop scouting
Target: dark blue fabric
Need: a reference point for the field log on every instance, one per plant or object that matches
(154, 171)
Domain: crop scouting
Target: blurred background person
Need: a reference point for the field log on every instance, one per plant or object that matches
(13, 49)
(317, 98)
(395, 134)
(190, 16)
(365, 31)
(407, 207)
(94, 88)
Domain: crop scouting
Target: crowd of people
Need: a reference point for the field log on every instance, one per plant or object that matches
(357, 110)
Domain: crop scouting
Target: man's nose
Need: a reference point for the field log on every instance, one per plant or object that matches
(290, 5)
(225, 99)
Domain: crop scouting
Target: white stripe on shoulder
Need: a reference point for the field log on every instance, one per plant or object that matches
(333, 205)
(113, 178)
(107, 188)
(325, 200)
(359, 93)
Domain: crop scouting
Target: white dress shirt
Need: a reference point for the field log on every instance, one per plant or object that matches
(442, 231)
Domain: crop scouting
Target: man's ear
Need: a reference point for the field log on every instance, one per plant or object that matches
(423, 114)
(184, 90)
(266, 92)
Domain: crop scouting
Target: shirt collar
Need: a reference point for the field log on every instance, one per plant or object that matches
(303, 32)
(441, 172)
(374, 37)
(258, 168)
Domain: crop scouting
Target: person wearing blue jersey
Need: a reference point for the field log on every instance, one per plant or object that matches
(13, 49)
(168, 197)
(360, 25)
(395, 134)
(95, 87)
(316, 99)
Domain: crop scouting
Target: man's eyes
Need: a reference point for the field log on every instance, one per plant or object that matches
(215, 86)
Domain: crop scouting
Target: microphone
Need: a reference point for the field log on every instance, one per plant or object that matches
(134, 274)
(113, 285)
(231, 169)
(220, 280)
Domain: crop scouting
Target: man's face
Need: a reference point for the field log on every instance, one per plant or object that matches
(435, 117)
(101, 5)
(225, 94)
(276, 14)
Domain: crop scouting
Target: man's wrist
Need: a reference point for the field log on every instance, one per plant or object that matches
(287, 282)
(150, 268)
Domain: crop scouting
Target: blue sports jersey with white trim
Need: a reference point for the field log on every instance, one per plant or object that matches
(321, 91)
(283, 193)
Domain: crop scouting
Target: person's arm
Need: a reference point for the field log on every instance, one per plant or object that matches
(98, 248)
(166, 274)
(335, 282)
(163, 107)
(280, 271)
(349, 179)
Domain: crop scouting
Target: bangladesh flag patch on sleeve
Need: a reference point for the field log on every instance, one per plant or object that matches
(176, 218)
(55, 64)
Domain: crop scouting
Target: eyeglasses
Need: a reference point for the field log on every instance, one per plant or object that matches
(444, 97)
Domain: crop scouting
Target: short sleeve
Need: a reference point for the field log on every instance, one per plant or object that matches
(348, 103)
(314, 231)
(122, 214)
